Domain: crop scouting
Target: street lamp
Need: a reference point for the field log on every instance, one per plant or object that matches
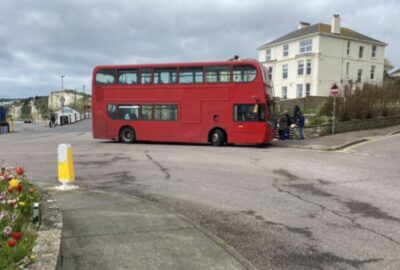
(84, 99)
(62, 82)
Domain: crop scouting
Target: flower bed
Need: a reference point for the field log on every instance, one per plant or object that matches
(17, 230)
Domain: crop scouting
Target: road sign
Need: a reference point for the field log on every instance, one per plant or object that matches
(334, 90)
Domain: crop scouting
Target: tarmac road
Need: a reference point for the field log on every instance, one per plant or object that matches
(280, 208)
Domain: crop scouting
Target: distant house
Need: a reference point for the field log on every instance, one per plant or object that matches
(309, 60)
(66, 115)
(395, 73)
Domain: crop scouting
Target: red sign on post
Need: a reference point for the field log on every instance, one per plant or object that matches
(334, 90)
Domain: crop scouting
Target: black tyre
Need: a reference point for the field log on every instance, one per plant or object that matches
(217, 137)
(127, 135)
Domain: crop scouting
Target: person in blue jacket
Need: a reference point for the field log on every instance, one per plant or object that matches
(300, 125)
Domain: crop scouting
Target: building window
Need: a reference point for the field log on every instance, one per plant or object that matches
(270, 73)
(285, 50)
(359, 75)
(299, 90)
(308, 70)
(361, 52)
(300, 67)
(348, 47)
(308, 89)
(372, 76)
(268, 55)
(306, 45)
(347, 68)
(373, 54)
(284, 92)
(285, 71)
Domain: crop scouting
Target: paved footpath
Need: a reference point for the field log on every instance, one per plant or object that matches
(340, 140)
(106, 231)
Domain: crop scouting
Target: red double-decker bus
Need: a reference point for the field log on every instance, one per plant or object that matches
(211, 102)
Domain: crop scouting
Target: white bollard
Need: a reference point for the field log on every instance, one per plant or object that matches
(66, 174)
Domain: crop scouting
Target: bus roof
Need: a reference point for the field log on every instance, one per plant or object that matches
(182, 64)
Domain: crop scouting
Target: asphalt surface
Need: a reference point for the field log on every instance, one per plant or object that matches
(276, 206)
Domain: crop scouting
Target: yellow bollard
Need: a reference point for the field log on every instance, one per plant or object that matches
(66, 173)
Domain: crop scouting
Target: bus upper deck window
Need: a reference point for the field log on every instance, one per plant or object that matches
(105, 76)
(218, 74)
(128, 76)
(145, 76)
(244, 73)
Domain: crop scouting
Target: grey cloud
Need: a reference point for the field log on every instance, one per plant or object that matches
(44, 39)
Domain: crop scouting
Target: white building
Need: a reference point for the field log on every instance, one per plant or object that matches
(66, 115)
(308, 61)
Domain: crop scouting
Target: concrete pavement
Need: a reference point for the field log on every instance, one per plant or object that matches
(340, 140)
(102, 230)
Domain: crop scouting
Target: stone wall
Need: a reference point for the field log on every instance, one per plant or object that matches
(326, 129)
(311, 102)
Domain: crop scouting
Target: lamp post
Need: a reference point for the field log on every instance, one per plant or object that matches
(84, 99)
(62, 82)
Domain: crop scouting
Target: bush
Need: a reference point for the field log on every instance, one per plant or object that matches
(370, 102)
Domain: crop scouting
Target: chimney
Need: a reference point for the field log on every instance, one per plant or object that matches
(303, 25)
(335, 25)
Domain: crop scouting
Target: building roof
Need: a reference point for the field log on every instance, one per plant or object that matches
(395, 73)
(325, 29)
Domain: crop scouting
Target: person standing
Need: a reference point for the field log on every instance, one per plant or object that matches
(300, 125)
(282, 126)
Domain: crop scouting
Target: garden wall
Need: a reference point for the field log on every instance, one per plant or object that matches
(326, 129)
(310, 102)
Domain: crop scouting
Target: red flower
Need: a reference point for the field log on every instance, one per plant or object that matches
(10, 189)
(20, 187)
(17, 235)
(19, 170)
(11, 243)
(31, 190)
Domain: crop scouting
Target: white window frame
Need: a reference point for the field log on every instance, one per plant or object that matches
(285, 71)
(284, 92)
(308, 89)
(285, 49)
(373, 52)
(305, 45)
(268, 56)
(372, 74)
(309, 67)
(300, 67)
(359, 75)
(299, 90)
(348, 47)
(361, 52)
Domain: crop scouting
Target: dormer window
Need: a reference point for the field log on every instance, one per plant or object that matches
(306, 45)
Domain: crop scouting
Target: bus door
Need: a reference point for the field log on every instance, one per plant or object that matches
(249, 123)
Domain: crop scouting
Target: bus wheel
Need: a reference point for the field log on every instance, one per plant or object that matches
(217, 137)
(127, 135)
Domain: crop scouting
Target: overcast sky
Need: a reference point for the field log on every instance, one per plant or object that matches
(40, 40)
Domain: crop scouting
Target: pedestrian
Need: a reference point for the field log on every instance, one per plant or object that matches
(282, 126)
(296, 111)
(300, 125)
(52, 121)
(288, 124)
